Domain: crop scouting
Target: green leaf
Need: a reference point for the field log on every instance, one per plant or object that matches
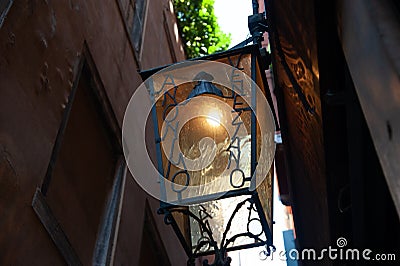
(199, 28)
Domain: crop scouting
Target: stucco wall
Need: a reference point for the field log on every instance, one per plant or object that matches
(41, 45)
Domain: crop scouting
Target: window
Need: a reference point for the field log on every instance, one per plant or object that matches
(138, 24)
(83, 184)
(5, 6)
(134, 13)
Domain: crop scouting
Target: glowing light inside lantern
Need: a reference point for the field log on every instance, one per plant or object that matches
(214, 118)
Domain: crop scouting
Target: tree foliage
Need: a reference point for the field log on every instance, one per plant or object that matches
(199, 28)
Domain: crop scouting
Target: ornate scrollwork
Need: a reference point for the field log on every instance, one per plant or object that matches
(207, 242)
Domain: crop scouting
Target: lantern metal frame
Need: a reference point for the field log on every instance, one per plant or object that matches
(220, 249)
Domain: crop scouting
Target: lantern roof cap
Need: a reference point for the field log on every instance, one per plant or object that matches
(231, 52)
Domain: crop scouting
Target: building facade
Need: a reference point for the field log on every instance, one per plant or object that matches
(67, 72)
(336, 73)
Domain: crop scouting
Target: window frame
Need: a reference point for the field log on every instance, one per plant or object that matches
(124, 12)
(5, 9)
(108, 227)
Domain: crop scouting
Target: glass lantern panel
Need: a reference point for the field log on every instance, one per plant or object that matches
(205, 142)
(265, 170)
(232, 222)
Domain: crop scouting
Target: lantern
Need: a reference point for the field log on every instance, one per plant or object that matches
(214, 135)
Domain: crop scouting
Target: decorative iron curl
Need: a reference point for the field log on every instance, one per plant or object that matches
(207, 239)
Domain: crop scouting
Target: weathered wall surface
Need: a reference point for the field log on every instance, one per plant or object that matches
(41, 44)
(366, 26)
(297, 85)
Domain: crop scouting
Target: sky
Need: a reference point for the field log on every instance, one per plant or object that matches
(232, 18)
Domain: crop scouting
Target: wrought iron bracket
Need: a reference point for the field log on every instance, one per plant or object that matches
(208, 243)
